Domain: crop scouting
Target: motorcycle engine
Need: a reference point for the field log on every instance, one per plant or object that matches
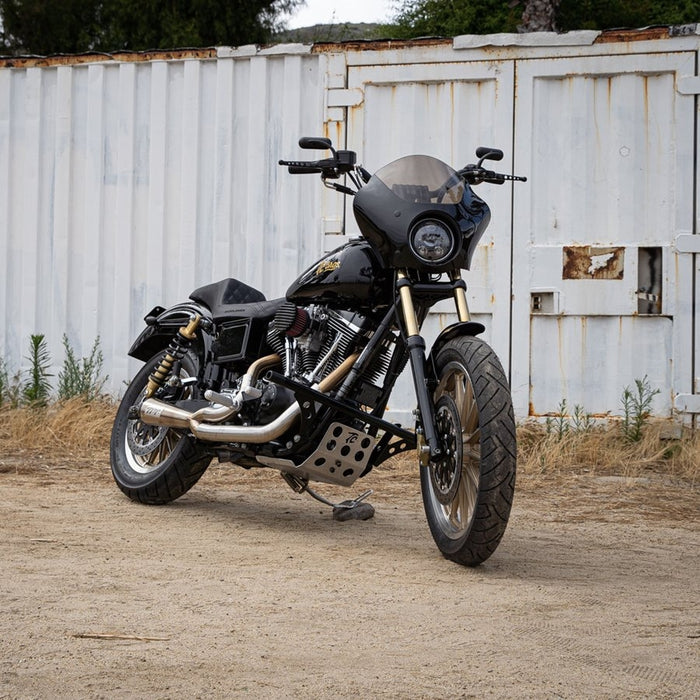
(314, 340)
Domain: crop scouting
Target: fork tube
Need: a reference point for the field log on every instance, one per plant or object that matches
(416, 350)
(460, 296)
(407, 308)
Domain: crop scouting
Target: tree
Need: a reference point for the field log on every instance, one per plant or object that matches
(451, 17)
(539, 16)
(610, 14)
(73, 26)
(416, 18)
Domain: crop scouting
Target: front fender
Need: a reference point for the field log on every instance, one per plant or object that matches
(162, 324)
(454, 331)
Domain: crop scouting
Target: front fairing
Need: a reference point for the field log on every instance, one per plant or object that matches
(413, 189)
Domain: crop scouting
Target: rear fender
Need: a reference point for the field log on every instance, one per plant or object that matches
(162, 324)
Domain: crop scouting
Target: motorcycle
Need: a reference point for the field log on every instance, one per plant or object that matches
(300, 384)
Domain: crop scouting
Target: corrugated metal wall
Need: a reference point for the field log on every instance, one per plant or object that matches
(126, 183)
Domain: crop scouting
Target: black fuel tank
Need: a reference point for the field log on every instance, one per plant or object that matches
(350, 277)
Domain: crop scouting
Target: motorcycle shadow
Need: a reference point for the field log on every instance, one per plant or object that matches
(297, 522)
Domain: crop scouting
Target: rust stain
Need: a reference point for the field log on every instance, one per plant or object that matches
(593, 263)
(121, 56)
(378, 45)
(648, 33)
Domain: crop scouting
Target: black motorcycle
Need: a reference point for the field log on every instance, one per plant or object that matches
(300, 384)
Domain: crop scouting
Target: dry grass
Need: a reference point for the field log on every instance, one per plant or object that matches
(664, 449)
(585, 474)
(64, 428)
(75, 427)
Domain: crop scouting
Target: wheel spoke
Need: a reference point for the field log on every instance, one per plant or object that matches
(470, 490)
(456, 383)
(444, 386)
(459, 394)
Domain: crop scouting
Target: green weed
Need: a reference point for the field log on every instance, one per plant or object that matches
(81, 377)
(636, 405)
(37, 387)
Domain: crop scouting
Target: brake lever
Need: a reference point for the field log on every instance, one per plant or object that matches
(475, 175)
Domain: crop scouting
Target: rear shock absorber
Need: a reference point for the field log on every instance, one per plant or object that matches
(175, 351)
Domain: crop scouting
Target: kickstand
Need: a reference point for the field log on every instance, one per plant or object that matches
(353, 509)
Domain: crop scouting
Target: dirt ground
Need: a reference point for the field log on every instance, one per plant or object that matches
(244, 589)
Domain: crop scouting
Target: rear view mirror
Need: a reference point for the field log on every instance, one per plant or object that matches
(486, 153)
(315, 142)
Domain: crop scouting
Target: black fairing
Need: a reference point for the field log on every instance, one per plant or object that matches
(385, 217)
(350, 277)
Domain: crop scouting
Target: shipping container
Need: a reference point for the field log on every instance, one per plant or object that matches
(128, 180)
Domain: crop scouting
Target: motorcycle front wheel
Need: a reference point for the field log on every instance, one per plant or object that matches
(468, 493)
(152, 464)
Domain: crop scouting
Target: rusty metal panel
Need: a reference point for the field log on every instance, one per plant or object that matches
(593, 263)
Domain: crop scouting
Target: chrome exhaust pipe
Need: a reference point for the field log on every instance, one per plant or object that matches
(155, 412)
(203, 423)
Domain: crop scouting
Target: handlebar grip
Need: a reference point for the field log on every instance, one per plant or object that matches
(300, 163)
(304, 169)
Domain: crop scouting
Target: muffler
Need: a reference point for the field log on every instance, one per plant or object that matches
(203, 424)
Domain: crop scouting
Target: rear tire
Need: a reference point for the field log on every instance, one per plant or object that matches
(151, 464)
(468, 494)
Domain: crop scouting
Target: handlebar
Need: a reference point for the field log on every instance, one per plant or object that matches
(341, 162)
(475, 174)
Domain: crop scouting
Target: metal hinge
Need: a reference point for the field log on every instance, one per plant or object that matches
(688, 85)
(687, 243)
(688, 403)
(344, 97)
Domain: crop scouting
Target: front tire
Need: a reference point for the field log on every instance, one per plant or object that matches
(151, 464)
(468, 493)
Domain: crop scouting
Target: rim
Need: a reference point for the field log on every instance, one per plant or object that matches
(455, 505)
(147, 447)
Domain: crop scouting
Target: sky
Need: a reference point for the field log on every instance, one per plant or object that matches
(339, 11)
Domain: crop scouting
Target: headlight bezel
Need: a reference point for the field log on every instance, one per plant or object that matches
(423, 225)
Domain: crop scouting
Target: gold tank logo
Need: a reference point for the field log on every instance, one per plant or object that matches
(327, 266)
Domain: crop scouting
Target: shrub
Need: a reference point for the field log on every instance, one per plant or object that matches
(37, 387)
(81, 377)
(635, 407)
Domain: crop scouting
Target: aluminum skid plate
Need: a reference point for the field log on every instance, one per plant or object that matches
(341, 457)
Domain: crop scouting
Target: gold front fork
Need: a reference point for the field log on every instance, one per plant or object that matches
(460, 295)
(409, 311)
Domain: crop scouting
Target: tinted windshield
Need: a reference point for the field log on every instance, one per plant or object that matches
(422, 179)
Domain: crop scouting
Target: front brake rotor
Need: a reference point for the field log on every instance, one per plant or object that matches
(446, 472)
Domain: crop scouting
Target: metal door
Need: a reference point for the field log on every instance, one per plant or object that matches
(445, 110)
(602, 296)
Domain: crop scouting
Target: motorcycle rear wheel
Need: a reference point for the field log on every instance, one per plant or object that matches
(154, 465)
(467, 495)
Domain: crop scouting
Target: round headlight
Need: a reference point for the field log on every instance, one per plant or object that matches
(432, 241)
